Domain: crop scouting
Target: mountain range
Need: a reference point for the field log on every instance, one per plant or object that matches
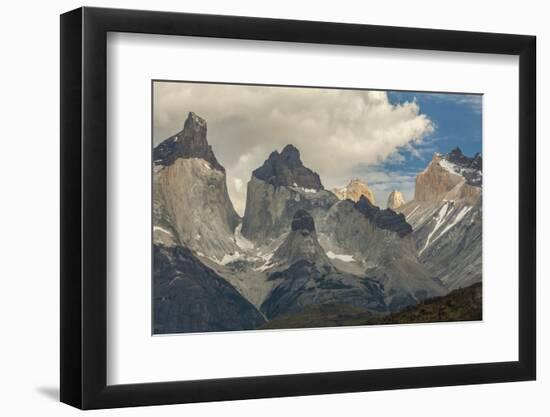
(300, 247)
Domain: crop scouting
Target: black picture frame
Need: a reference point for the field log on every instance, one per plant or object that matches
(84, 207)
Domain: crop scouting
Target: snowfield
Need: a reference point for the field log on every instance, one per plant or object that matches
(345, 258)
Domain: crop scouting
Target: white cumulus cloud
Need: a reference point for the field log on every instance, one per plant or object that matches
(335, 130)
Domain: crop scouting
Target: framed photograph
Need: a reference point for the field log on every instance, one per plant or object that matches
(257, 208)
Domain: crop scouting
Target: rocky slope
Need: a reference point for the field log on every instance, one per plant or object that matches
(194, 225)
(446, 215)
(189, 297)
(385, 219)
(354, 190)
(300, 247)
(379, 253)
(305, 276)
(395, 200)
(357, 237)
(189, 187)
(463, 304)
(279, 188)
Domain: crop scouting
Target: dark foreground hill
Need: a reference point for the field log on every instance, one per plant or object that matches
(463, 304)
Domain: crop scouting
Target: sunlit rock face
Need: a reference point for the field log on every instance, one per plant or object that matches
(354, 190)
(277, 190)
(299, 245)
(446, 216)
(453, 173)
(191, 204)
(395, 200)
(193, 224)
(346, 236)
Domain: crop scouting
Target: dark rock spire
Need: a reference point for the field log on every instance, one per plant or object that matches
(286, 169)
(191, 142)
(303, 221)
(385, 219)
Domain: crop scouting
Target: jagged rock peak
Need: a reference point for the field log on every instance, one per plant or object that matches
(456, 153)
(291, 155)
(457, 157)
(468, 167)
(286, 169)
(303, 221)
(354, 190)
(191, 142)
(395, 200)
(385, 219)
(195, 122)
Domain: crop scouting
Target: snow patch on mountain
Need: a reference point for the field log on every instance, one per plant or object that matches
(264, 267)
(302, 189)
(160, 229)
(440, 219)
(449, 166)
(456, 220)
(412, 212)
(473, 175)
(345, 258)
(228, 258)
(267, 257)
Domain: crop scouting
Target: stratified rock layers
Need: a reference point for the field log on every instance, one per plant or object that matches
(193, 216)
(446, 215)
(299, 246)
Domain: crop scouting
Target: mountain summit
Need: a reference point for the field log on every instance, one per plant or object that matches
(395, 200)
(446, 216)
(469, 168)
(449, 172)
(286, 169)
(189, 143)
(189, 185)
(277, 190)
(354, 190)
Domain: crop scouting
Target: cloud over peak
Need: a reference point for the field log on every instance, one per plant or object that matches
(335, 130)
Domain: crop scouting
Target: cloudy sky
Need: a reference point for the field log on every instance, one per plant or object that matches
(383, 138)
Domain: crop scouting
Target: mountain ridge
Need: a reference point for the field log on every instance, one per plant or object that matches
(300, 245)
(446, 216)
